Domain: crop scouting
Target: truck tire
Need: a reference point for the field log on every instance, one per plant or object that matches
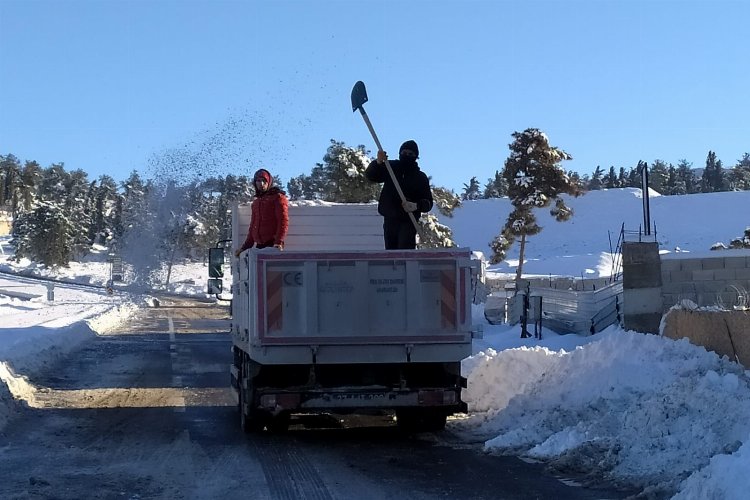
(420, 420)
(279, 424)
(251, 420)
(433, 421)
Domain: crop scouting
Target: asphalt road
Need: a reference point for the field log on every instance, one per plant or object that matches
(145, 412)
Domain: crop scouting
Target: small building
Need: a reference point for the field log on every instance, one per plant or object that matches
(6, 222)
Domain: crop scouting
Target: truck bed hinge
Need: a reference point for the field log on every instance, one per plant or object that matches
(314, 352)
(409, 347)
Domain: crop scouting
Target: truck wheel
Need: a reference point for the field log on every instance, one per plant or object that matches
(280, 423)
(433, 421)
(407, 420)
(420, 420)
(250, 419)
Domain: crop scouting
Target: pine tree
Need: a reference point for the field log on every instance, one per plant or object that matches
(235, 190)
(78, 210)
(622, 178)
(345, 172)
(496, 187)
(675, 183)
(686, 176)
(713, 175)
(433, 234)
(596, 181)
(102, 227)
(44, 235)
(610, 180)
(11, 184)
(340, 178)
(578, 181)
(445, 200)
(535, 180)
(658, 177)
(471, 190)
(295, 188)
(28, 188)
(133, 203)
(739, 176)
(634, 176)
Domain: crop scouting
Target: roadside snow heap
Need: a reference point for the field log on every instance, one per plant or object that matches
(639, 410)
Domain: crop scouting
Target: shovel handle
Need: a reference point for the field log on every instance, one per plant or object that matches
(388, 167)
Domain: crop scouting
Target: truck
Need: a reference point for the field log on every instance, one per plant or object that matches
(336, 324)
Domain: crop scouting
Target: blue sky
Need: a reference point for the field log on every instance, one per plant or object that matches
(213, 87)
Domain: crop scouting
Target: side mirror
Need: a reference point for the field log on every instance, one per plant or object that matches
(215, 286)
(216, 263)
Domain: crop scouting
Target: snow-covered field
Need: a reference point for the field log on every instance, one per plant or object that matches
(638, 409)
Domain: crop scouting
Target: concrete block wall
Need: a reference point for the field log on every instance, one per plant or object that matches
(711, 279)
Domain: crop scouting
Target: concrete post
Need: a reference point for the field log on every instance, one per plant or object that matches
(641, 284)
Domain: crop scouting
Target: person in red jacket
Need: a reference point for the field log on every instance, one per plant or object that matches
(269, 215)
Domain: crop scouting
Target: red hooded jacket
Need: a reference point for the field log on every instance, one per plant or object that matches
(269, 219)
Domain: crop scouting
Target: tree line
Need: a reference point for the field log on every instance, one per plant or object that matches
(59, 216)
(666, 178)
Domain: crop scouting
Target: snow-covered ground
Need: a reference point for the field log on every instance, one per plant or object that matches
(638, 409)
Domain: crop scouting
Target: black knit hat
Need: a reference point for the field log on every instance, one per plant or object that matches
(410, 145)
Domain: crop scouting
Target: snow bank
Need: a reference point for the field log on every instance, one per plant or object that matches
(26, 350)
(639, 410)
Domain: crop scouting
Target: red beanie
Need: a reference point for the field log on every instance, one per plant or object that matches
(263, 174)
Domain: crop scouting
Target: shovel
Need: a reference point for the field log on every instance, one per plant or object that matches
(359, 98)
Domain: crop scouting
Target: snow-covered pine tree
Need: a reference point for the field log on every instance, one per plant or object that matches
(203, 221)
(597, 179)
(43, 235)
(343, 175)
(52, 183)
(535, 180)
(237, 189)
(713, 175)
(471, 190)
(495, 187)
(622, 178)
(10, 181)
(433, 233)
(133, 203)
(445, 200)
(295, 189)
(102, 228)
(610, 180)
(31, 175)
(21, 233)
(684, 181)
(79, 211)
(739, 176)
(658, 177)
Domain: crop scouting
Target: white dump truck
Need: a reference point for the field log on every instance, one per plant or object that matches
(336, 324)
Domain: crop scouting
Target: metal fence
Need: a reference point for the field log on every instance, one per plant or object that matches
(571, 311)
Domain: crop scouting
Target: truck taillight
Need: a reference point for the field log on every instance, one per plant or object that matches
(437, 397)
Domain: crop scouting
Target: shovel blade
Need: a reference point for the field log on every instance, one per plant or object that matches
(359, 95)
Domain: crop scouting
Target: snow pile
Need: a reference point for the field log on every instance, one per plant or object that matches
(639, 410)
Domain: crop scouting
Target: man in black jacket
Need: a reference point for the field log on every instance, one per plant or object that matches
(398, 230)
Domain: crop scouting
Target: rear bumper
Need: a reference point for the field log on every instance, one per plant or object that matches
(276, 401)
(339, 353)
